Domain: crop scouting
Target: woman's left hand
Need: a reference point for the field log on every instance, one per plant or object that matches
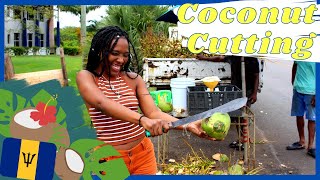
(196, 129)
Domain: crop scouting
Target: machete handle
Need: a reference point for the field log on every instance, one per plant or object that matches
(148, 134)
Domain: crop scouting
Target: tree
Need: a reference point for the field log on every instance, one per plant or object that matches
(79, 11)
(70, 36)
(93, 26)
(76, 10)
(136, 20)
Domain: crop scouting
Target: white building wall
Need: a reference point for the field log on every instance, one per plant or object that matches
(12, 26)
(15, 26)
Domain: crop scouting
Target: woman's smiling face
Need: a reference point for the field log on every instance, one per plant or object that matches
(119, 56)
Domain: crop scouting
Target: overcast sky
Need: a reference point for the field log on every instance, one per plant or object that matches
(68, 19)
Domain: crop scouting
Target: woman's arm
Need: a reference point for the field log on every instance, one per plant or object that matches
(147, 104)
(293, 74)
(93, 96)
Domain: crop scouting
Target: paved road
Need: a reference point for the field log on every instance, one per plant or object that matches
(275, 129)
(275, 124)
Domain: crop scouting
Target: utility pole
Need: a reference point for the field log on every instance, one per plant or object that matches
(58, 33)
(83, 32)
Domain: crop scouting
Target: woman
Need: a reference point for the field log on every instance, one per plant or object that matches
(113, 96)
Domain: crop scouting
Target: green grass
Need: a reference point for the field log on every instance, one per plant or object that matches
(24, 64)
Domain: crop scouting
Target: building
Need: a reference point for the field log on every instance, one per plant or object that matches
(29, 26)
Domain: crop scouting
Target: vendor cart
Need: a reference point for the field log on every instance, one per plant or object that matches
(157, 72)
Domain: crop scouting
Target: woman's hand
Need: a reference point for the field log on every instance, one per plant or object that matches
(196, 129)
(155, 126)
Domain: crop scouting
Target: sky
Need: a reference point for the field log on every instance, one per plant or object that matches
(68, 19)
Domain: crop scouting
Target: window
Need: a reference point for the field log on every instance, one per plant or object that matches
(41, 18)
(30, 15)
(16, 39)
(8, 39)
(30, 39)
(17, 13)
(41, 40)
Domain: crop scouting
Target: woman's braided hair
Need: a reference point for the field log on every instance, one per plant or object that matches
(101, 45)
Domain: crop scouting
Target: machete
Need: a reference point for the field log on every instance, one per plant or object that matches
(225, 108)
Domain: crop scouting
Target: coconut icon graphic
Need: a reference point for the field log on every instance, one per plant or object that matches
(38, 124)
(69, 164)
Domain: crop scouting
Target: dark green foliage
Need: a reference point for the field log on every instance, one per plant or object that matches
(70, 36)
(71, 50)
(18, 51)
(136, 20)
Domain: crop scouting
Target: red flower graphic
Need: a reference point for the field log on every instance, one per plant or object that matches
(45, 114)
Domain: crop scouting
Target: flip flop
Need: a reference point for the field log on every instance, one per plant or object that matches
(295, 146)
(236, 145)
(312, 152)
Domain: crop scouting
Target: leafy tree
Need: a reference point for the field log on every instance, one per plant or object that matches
(70, 36)
(76, 9)
(46, 11)
(136, 20)
(94, 26)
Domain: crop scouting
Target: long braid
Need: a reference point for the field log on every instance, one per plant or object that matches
(102, 44)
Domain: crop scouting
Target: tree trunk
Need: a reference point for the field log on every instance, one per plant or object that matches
(83, 33)
(8, 68)
(63, 67)
(51, 34)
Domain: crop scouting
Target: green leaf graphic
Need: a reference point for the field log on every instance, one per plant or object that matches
(43, 96)
(115, 169)
(10, 104)
(82, 146)
(4, 130)
(61, 115)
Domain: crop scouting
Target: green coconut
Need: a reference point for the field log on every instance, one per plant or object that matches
(219, 172)
(164, 105)
(235, 170)
(217, 126)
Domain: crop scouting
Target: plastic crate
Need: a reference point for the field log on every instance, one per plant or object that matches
(199, 100)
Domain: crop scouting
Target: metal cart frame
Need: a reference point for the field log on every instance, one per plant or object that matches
(167, 68)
